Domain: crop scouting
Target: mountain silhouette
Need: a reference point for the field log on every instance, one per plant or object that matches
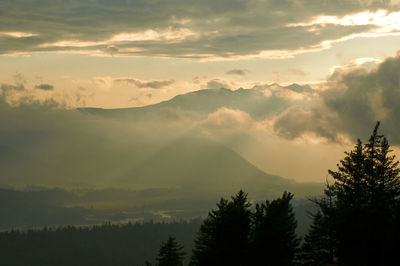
(195, 162)
(199, 104)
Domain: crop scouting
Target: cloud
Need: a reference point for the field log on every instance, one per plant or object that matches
(353, 99)
(45, 87)
(291, 93)
(29, 96)
(296, 122)
(5, 88)
(239, 72)
(387, 22)
(207, 30)
(228, 119)
(154, 84)
(18, 34)
(15, 96)
(256, 141)
(111, 49)
(218, 83)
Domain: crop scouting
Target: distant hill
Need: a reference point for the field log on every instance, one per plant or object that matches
(87, 149)
(198, 164)
(199, 104)
(195, 159)
(193, 164)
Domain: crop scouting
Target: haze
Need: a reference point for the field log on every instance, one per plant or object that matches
(284, 87)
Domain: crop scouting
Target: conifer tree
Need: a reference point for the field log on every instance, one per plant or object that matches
(366, 192)
(223, 236)
(170, 253)
(273, 239)
(317, 248)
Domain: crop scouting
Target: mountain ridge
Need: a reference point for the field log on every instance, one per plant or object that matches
(198, 104)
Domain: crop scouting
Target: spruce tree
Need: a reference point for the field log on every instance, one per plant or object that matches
(170, 253)
(319, 245)
(317, 248)
(366, 193)
(223, 236)
(273, 239)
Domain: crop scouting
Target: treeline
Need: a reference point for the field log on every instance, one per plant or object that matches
(109, 244)
(36, 207)
(223, 237)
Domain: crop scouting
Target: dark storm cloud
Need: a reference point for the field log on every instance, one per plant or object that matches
(155, 84)
(354, 100)
(45, 87)
(176, 28)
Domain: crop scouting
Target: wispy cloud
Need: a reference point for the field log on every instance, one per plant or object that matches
(154, 84)
(17, 34)
(385, 21)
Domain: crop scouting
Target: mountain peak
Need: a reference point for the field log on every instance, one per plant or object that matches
(199, 104)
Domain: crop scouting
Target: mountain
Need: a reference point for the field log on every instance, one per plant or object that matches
(193, 164)
(199, 165)
(107, 148)
(259, 102)
(196, 161)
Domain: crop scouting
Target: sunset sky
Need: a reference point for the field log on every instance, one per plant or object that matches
(130, 53)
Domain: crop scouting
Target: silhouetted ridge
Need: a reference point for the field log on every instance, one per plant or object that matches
(199, 104)
(199, 160)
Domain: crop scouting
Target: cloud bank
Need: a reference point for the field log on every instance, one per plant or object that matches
(354, 98)
(208, 30)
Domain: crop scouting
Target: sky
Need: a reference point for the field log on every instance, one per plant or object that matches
(131, 53)
(64, 54)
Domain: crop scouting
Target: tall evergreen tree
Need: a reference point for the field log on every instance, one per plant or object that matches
(273, 239)
(317, 249)
(319, 244)
(366, 191)
(171, 253)
(223, 236)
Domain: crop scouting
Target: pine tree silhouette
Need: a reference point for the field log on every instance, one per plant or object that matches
(223, 236)
(171, 253)
(273, 239)
(317, 248)
(364, 214)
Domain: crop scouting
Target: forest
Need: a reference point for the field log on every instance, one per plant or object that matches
(356, 222)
